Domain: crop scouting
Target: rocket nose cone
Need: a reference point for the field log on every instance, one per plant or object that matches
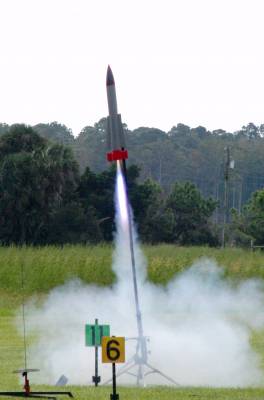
(109, 77)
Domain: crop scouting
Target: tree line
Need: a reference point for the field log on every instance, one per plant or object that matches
(181, 154)
(57, 189)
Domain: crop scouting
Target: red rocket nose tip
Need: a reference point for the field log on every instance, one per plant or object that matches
(109, 77)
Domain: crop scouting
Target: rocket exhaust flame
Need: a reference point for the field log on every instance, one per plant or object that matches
(121, 196)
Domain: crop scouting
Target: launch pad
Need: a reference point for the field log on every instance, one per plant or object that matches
(27, 391)
(139, 368)
(51, 395)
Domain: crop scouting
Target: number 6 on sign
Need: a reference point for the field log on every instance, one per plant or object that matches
(113, 349)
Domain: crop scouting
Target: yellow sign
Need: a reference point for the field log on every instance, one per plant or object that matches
(113, 349)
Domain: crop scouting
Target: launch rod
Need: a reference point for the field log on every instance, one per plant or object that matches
(23, 316)
(142, 343)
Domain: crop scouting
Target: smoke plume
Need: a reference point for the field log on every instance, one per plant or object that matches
(199, 325)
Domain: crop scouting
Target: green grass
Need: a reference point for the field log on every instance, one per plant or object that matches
(156, 393)
(48, 267)
(165, 393)
(167, 260)
(159, 393)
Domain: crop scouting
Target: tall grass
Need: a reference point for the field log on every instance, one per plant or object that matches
(48, 267)
(167, 260)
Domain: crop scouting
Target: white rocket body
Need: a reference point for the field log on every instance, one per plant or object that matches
(115, 133)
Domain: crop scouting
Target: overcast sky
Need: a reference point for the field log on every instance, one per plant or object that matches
(199, 62)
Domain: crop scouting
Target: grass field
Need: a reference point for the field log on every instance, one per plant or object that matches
(49, 267)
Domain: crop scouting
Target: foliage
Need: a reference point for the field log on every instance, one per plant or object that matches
(91, 147)
(185, 154)
(251, 221)
(190, 213)
(36, 179)
(44, 199)
(55, 132)
(96, 192)
(20, 138)
(181, 154)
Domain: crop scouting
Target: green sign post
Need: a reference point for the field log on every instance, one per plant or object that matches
(93, 338)
(94, 334)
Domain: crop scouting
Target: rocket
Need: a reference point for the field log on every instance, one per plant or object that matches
(115, 133)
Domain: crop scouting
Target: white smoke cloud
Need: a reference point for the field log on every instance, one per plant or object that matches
(199, 325)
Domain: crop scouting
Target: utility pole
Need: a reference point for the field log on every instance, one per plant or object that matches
(234, 197)
(226, 178)
(240, 198)
(217, 199)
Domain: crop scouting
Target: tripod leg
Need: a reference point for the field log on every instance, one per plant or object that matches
(157, 371)
(140, 375)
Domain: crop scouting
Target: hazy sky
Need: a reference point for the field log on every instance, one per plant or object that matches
(199, 62)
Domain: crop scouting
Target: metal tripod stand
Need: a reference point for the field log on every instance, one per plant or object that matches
(140, 368)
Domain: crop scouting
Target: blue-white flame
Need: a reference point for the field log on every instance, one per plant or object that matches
(121, 195)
